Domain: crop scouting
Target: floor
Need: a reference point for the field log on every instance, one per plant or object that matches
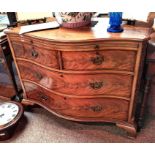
(40, 126)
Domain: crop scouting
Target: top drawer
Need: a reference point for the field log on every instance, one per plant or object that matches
(40, 55)
(97, 60)
(87, 45)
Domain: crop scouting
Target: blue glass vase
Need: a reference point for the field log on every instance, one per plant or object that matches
(115, 21)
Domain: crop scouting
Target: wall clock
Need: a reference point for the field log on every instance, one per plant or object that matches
(10, 114)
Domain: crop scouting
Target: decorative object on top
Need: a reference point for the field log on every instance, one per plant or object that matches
(37, 27)
(74, 19)
(115, 21)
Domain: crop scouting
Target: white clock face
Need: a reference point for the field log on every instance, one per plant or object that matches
(8, 111)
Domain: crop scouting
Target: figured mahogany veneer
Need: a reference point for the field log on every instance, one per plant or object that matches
(97, 60)
(39, 55)
(87, 109)
(84, 74)
(77, 84)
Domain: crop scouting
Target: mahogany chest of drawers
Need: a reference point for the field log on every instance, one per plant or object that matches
(84, 74)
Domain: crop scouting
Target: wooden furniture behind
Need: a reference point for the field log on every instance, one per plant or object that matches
(9, 85)
(84, 74)
(148, 101)
(149, 95)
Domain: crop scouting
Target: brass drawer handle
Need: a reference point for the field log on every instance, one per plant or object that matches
(96, 85)
(34, 54)
(97, 47)
(96, 108)
(44, 97)
(1, 60)
(38, 76)
(98, 60)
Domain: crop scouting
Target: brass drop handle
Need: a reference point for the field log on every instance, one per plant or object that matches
(98, 60)
(34, 54)
(38, 76)
(1, 60)
(96, 47)
(96, 85)
(44, 97)
(96, 108)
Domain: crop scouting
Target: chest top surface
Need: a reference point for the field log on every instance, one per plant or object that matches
(96, 31)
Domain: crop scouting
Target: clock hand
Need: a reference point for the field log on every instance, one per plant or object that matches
(1, 115)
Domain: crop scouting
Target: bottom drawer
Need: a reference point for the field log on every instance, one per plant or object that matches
(87, 108)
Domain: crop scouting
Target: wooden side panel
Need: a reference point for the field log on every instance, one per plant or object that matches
(101, 108)
(77, 84)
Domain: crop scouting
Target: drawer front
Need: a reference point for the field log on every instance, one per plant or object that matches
(75, 45)
(97, 60)
(101, 108)
(78, 84)
(37, 54)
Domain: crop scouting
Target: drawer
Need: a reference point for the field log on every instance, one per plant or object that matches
(32, 41)
(100, 108)
(36, 54)
(78, 84)
(20, 38)
(98, 60)
(96, 45)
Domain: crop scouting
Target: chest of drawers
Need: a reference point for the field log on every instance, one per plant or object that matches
(84, 74)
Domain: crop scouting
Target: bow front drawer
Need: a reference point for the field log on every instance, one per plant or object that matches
(40, 55)
(98, 60)
(88, 108)
(78, 84)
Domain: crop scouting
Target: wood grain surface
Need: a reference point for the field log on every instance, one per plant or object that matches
(39, 55)
(79, 108)
(79, 84)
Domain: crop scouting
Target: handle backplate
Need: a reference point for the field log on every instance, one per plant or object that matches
(98, 60)
(96, 85)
